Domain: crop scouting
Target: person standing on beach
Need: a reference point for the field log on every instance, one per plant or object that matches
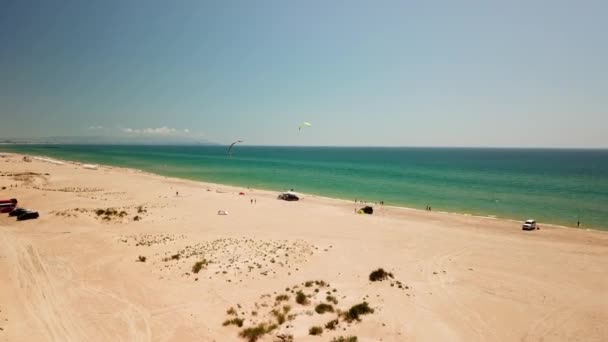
(578, 223)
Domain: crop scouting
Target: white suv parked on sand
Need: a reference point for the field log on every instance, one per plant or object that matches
(529, 225)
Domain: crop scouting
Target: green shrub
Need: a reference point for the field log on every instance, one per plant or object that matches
(323, 308)
(199, 265)
(379, 275)
(235, 321)
(331, 325)
(345, 339)
(252, 334)
(301, 298)
(357, 310)
(282, 297)
(315, 331)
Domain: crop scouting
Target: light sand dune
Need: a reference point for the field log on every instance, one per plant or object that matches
(75, 274)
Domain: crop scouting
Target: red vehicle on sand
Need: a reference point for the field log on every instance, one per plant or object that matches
(6, 209)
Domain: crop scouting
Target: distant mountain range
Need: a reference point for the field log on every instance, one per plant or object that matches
(107, 140)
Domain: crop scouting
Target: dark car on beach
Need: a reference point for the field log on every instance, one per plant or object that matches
(28, 216)
(288, 196)
(18, 211)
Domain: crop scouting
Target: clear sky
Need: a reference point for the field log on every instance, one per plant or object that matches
(405, 73)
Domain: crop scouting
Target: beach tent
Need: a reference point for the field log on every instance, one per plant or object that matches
(366, 210)
(222, 212)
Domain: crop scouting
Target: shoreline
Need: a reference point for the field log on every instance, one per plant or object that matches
(335, 199)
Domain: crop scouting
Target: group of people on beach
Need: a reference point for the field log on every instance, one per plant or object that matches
(428, 208)
(253, 201)
(365, 202)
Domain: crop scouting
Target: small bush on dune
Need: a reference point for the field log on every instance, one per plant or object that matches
(331, 325)
(198, 266)
(323, 308)
(315, 331)
(379, 275)
(357, 310)
(231, 311)
(301, 298)
(235, 321)
(141, 258)
(285, 338)
(345, 339)
(280, 316)
(332, 299)
(254, 333)
(99, 212)
(281, 298)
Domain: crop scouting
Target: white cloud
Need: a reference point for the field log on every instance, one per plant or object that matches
(155, 131)
(95, 128)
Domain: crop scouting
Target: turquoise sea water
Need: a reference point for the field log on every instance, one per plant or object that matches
(556, 186)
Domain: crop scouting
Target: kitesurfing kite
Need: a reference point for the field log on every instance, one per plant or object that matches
(304, 124)
(231, 146)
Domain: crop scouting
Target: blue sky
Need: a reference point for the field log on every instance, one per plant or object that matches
(396, 73)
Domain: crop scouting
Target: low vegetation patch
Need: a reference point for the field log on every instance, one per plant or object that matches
(252, 334)
(301, 298)
(280, 316)
(141, 258)
(231, 311)
(356, 311)
(235, 321)
(345, 339)
(198, 266)
(331, 325)
(332, 299)
(315, 330)
(285, 338)
(380, 275)
(281, 298)
(323, 308)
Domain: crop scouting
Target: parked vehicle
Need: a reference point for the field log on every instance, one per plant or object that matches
(529, 225)
(9, 201)
(6, 209)
(366, 210)
(18, 211)
(288, 196)
(28, 216)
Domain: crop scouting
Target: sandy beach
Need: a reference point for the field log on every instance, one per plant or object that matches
(122, 255)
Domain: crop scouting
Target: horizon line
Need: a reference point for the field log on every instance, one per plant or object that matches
(310, 146)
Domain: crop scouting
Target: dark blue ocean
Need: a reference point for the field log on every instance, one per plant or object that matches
(549, 185)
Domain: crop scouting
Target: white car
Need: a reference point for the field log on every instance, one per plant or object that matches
(529, 225)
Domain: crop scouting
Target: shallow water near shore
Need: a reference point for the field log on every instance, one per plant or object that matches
(553, 186)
